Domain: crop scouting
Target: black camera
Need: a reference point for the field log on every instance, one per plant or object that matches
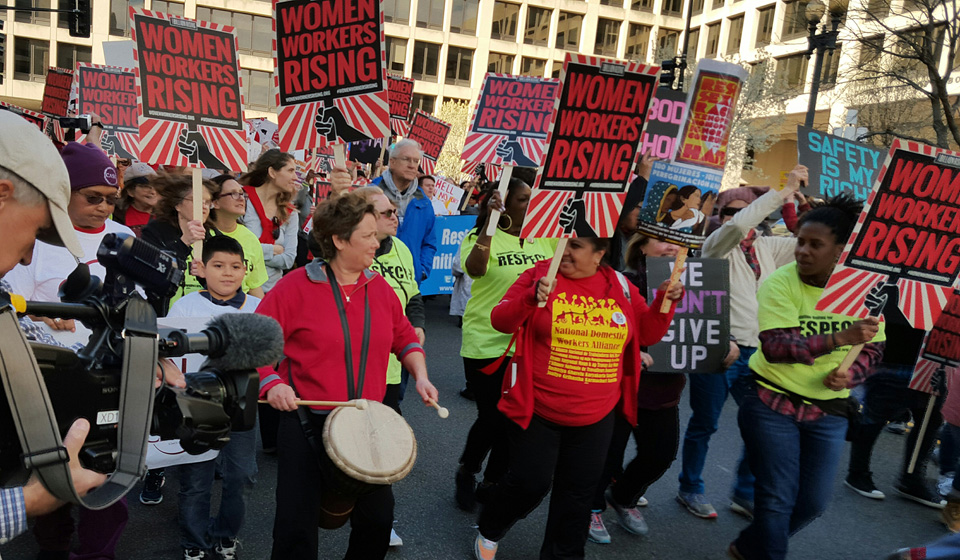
(221, 397)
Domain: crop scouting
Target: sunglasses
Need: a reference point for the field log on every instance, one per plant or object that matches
(276, 228)
(98, 199)
(389, 213)
(730, 211)
(237, 196)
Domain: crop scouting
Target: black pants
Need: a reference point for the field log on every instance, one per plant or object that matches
(269, 420)
(658, 437)
(887, 397)
(489, 432)
(392, 397)
(299, 486)
(545, 455)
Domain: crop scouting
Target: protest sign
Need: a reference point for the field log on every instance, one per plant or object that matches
(659, 137)
(32, 116)
(836, 164)
(709, 114)
(56, 92)
(511, 120)
(119, 54)
(188, 92)
(401, 100)
(447, 198)
(331, 74)
(940, 354)
(679, 203)
(110, 93)
(906, 241)
(593, 144)
(430, 132)
(450, 233)
(698, 338)
(367, 151)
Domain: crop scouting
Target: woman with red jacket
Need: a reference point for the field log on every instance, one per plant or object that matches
(326, 308)
(577, 359)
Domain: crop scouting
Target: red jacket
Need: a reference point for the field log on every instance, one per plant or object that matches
(517, 311)
(313, 343)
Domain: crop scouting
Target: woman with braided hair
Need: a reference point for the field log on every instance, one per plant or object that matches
(494, 263)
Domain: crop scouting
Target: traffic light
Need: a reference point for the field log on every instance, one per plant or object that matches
(80, 19)
(3, 51)
(668, 72)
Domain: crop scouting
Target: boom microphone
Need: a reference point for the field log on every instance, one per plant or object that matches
(251, 341)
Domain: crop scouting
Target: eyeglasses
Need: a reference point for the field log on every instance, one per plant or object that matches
(389, 213)
(98, 199)
(730, 211)
(408, 160)
(276, 228)
(237, 196)
(207, 204)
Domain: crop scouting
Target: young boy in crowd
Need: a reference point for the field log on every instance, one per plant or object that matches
(224, 268)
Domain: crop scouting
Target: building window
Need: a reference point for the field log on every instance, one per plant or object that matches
(164, 7)
(430, 14)
(396, 54)
(672, 8)
(568, 31)
(120, 16)
(500, 63)
(871, 48)
(713, 40)
(556, 69)
(426, 60)
(697, 7)
(641, 5)
(63, 20)
(31, 58)
(879, 9)
(765, 25)
(667, 40)
(617, 3)
(794, 20)
(693, 43)
(423, 102)
(828, 73)
(454, 100)
(463, 19)
(258, 92)
(638, 39)
(736, 33)
(69, 55)
(254, 33)
(792, 71)
(608, 31)
(459, 65)
(397, 11)
(537, 31)
(505, 18)
(38, 18)
(532, 67)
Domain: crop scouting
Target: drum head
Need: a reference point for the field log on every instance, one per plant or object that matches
(375, 445)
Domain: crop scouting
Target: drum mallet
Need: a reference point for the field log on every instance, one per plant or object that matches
(359, 404)
(441, 411)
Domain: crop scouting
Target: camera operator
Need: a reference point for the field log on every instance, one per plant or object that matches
(34, 196)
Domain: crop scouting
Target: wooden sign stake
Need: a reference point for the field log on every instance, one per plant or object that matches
(674, 277)
(555, 263)
(197, 210)
(494, 218)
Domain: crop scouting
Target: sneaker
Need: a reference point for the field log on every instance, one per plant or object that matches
(945, 484)
(466, 490)
(598, 531)
(395, 539)
(742, 506)
(194, 554)
(484, 549)
(733, 553)
(908, 553)
(899, 428)
(630, 518)
(226, 549)
(697, 504)
(951, 516)
(863, 484)
(151, 494)
(643, 502)
(920, 493)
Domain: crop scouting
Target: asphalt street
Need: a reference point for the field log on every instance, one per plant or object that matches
(433, 528)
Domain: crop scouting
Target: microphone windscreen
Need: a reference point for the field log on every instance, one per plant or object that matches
(252, 341)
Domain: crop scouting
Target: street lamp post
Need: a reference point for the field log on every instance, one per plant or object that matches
(819, 43)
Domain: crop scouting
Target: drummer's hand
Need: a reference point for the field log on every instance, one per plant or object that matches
(282, 397)
(427, 391)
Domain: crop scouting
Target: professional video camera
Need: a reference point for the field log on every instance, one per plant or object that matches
(221, 397)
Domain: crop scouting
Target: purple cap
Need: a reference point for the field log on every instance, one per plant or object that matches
(88, 166)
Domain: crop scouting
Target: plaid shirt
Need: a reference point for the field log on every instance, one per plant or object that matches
(13, 514)
(787, 346)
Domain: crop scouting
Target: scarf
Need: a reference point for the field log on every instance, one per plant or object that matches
(394, 194)
(750, 253)
(266, 224)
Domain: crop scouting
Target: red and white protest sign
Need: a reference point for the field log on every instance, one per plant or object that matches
(56, 92)
(708, 117)
(430, 132)
(593, 144)
(110, 93)
(401, 99)
(907, 236)
(941, 350)
(188, 92)
(511, 120)
(331, 74)
(32, 116)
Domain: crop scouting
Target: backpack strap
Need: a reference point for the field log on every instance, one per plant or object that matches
(624, 283)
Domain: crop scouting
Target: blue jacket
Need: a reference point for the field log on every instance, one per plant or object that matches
(416, 232)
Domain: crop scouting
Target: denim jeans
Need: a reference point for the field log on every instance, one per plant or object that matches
(795, 464)
(239, 466)
(708, 393)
